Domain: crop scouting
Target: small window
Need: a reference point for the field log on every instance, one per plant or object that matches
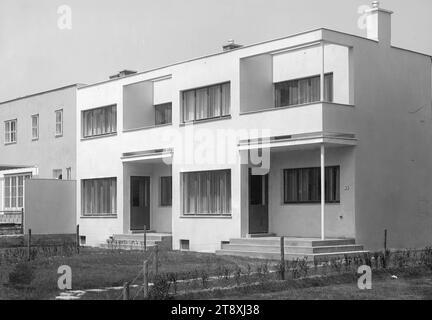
(11, 131)
(163, 113)
(165, 191)
(59, 122)
(82, 240)
(69, 173)
(35, 126)
(57, 174)
(184, 245)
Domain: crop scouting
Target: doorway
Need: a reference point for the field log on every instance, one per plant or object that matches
(258, 203)
(139, 203)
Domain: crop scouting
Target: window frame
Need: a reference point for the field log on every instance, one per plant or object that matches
(25, 175)
(298, 170)
(59, 111)
(8, 133)
(161, 197)
(114, 199)
(92, 111)
(160, 106)
(331, 93)
(207, 87)
(35, 116)
(228, 189)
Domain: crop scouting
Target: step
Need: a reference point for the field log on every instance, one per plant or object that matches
(140, 237)
(291, 256)
(291, 249)
(293, 242)
(126, 246)
(261, 235)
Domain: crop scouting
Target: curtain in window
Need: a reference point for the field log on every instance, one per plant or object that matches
(207, 192)
(208, 102)
(163, 113)
(304, 185)
(99, 121)
(301, 91)
(99, 196)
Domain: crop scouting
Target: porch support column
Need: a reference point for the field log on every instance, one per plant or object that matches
(322, 73)
(322, 158)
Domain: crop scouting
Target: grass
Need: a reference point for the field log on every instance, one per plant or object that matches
(99, 268)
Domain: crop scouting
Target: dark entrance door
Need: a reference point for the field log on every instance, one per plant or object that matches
(258, 203)
(140, 203)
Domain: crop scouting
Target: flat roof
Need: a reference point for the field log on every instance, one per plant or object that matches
(240, 48)
(42, 92)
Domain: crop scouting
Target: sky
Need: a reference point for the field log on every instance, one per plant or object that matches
(44, 47)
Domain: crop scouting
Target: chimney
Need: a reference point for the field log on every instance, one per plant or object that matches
(231, 45)
(378, 24)
(122, 74)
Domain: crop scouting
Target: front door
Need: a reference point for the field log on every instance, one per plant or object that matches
(140, 203)
(258, 203)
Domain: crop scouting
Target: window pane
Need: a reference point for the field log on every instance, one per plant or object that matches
(188, 105)
(98, 196)
(226, 99)
(207, 192)
(215, 101)
(201, 109)
(165, 191)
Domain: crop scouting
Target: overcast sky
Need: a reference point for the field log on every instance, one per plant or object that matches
(110, 35)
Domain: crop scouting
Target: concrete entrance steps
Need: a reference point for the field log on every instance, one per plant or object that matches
(135, 241)
(312, 248)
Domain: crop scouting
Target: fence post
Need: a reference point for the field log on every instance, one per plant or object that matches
(77, 239)
(29, 245)
(126, 291)
(145, 238)
(282, 257)
(385, 249)
(156, 260)
(22, 220)
(145, 281)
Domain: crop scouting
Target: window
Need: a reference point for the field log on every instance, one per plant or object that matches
(69, 173)
(57, 174)
(11, 131)
(35, 126)
(14, 191)
(163, 113)
(301, 91)
(304, 185)
(207, 192)
(99, 121)
(59, 122)
(165, 191)
(206, 103)
(99, 197)
(184, 245)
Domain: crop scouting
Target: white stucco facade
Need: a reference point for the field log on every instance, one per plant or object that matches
(377, 129)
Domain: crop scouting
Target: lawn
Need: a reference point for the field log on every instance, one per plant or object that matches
(98, 268)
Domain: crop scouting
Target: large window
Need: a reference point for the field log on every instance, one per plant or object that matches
(59, 123)
(165, 191)
(206, 192)
(304, 90)
(14, 191)
(11, 131)
(35, 126)
(304, 185)
(205, 103)
(163, 113)
(99, 197)
(99, 121)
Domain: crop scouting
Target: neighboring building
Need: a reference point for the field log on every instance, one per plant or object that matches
(150, 145)
(37, 139)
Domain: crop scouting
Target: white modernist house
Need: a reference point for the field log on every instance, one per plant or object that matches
(321, 134)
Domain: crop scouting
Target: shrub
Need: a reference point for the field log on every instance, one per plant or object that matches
(22, 274)
(160, 288)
